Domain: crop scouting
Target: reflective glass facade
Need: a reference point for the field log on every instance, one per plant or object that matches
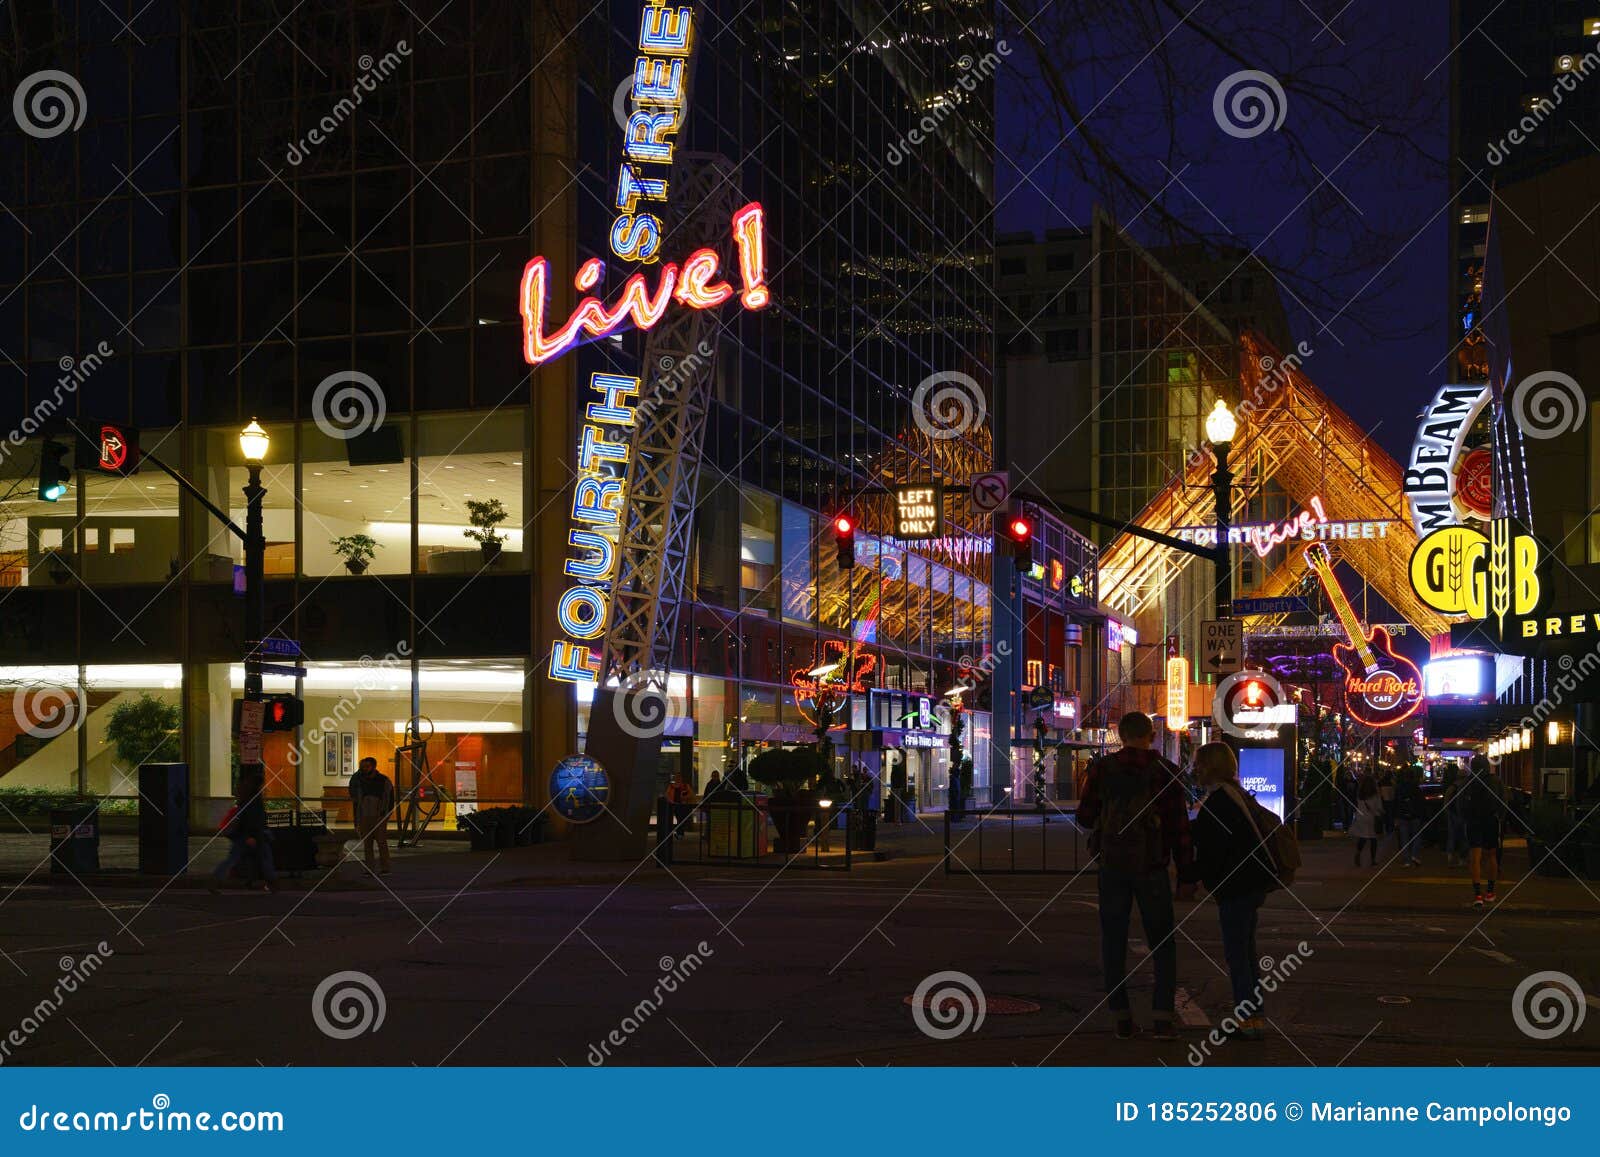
(354, 188)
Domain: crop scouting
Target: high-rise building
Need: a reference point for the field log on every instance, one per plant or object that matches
(1109, 361)
(1521, 102)
(321, 220)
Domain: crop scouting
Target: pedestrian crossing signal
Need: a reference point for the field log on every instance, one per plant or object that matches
(282, 713)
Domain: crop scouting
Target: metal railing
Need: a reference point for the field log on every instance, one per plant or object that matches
(1043, 837)
(750, 832)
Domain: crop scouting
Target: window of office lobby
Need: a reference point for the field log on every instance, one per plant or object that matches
(351, 486)
(220, 472)
(463, 462)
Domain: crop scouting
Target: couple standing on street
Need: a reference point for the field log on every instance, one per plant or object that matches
(1136, 809)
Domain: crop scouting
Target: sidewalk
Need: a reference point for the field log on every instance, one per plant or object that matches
(1328, 881)
(442, 865)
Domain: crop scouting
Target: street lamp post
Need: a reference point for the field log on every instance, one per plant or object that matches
(1220, 429)
(253, 443)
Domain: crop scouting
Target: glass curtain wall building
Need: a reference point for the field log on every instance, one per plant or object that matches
(881, 256)
(348, 195)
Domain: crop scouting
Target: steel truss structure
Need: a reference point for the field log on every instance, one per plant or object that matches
(668, 440)
(1290, 433)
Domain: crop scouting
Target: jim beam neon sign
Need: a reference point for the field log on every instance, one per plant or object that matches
(1440, 483)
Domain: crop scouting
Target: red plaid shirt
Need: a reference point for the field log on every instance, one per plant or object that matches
(1171, 805)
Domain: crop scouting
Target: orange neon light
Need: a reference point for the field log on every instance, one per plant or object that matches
(689, 284)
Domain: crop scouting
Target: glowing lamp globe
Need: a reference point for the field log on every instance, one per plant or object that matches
(253, 442)
(1220, 424)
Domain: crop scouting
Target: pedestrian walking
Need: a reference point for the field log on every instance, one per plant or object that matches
(681, 797)
(1386, 790)
(1484, 801)
(249, 841)
(1455, 817)
(1238, 872)
(1408, 816)
(1133, 807)
(372, 799)
(1366, 822)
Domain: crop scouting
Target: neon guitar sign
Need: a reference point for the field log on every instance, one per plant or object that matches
(1381, 687)
(694, 284)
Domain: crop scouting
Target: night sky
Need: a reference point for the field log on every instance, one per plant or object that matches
(1250, 187)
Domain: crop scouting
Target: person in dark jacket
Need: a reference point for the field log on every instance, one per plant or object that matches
(1484, 803)
(1409, 810)
(1237, 870)
(247, 834)
(1136, 812)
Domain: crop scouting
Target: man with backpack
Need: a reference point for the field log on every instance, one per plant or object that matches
(1135, 810)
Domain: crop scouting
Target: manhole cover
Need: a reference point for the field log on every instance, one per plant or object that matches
(996, 1005)
(1394, 1000)
(701, 907)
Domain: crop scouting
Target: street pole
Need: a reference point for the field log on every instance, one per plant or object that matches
(1222, 489)
(255, 549)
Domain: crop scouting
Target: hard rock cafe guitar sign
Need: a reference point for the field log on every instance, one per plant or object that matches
(1381, 688)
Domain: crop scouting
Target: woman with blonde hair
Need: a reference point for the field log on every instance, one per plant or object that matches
(1238, 872)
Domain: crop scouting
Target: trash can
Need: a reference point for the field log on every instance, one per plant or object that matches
(75, 839)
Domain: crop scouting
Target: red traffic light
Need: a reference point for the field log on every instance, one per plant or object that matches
(1020, 529)
(1252, 692)
(844, 525)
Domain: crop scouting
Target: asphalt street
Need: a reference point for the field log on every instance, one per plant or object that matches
(796, 967)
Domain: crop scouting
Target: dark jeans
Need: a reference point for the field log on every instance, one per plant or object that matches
(238, 851)
(1238, 916)
(1153, 891)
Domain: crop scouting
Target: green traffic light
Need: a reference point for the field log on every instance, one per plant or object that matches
(53, 492)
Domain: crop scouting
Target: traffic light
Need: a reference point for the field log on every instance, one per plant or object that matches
(1019, 531)
(282, 713)
(1254, 693)
(844, 537)
(53, 474)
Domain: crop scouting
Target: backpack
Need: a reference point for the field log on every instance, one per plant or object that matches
(1127, 837)
(1276, 836)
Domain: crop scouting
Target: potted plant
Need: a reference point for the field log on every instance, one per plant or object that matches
(485, 515)
(479, 829)
(788, 772)
(356, 550)
(143, 730)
